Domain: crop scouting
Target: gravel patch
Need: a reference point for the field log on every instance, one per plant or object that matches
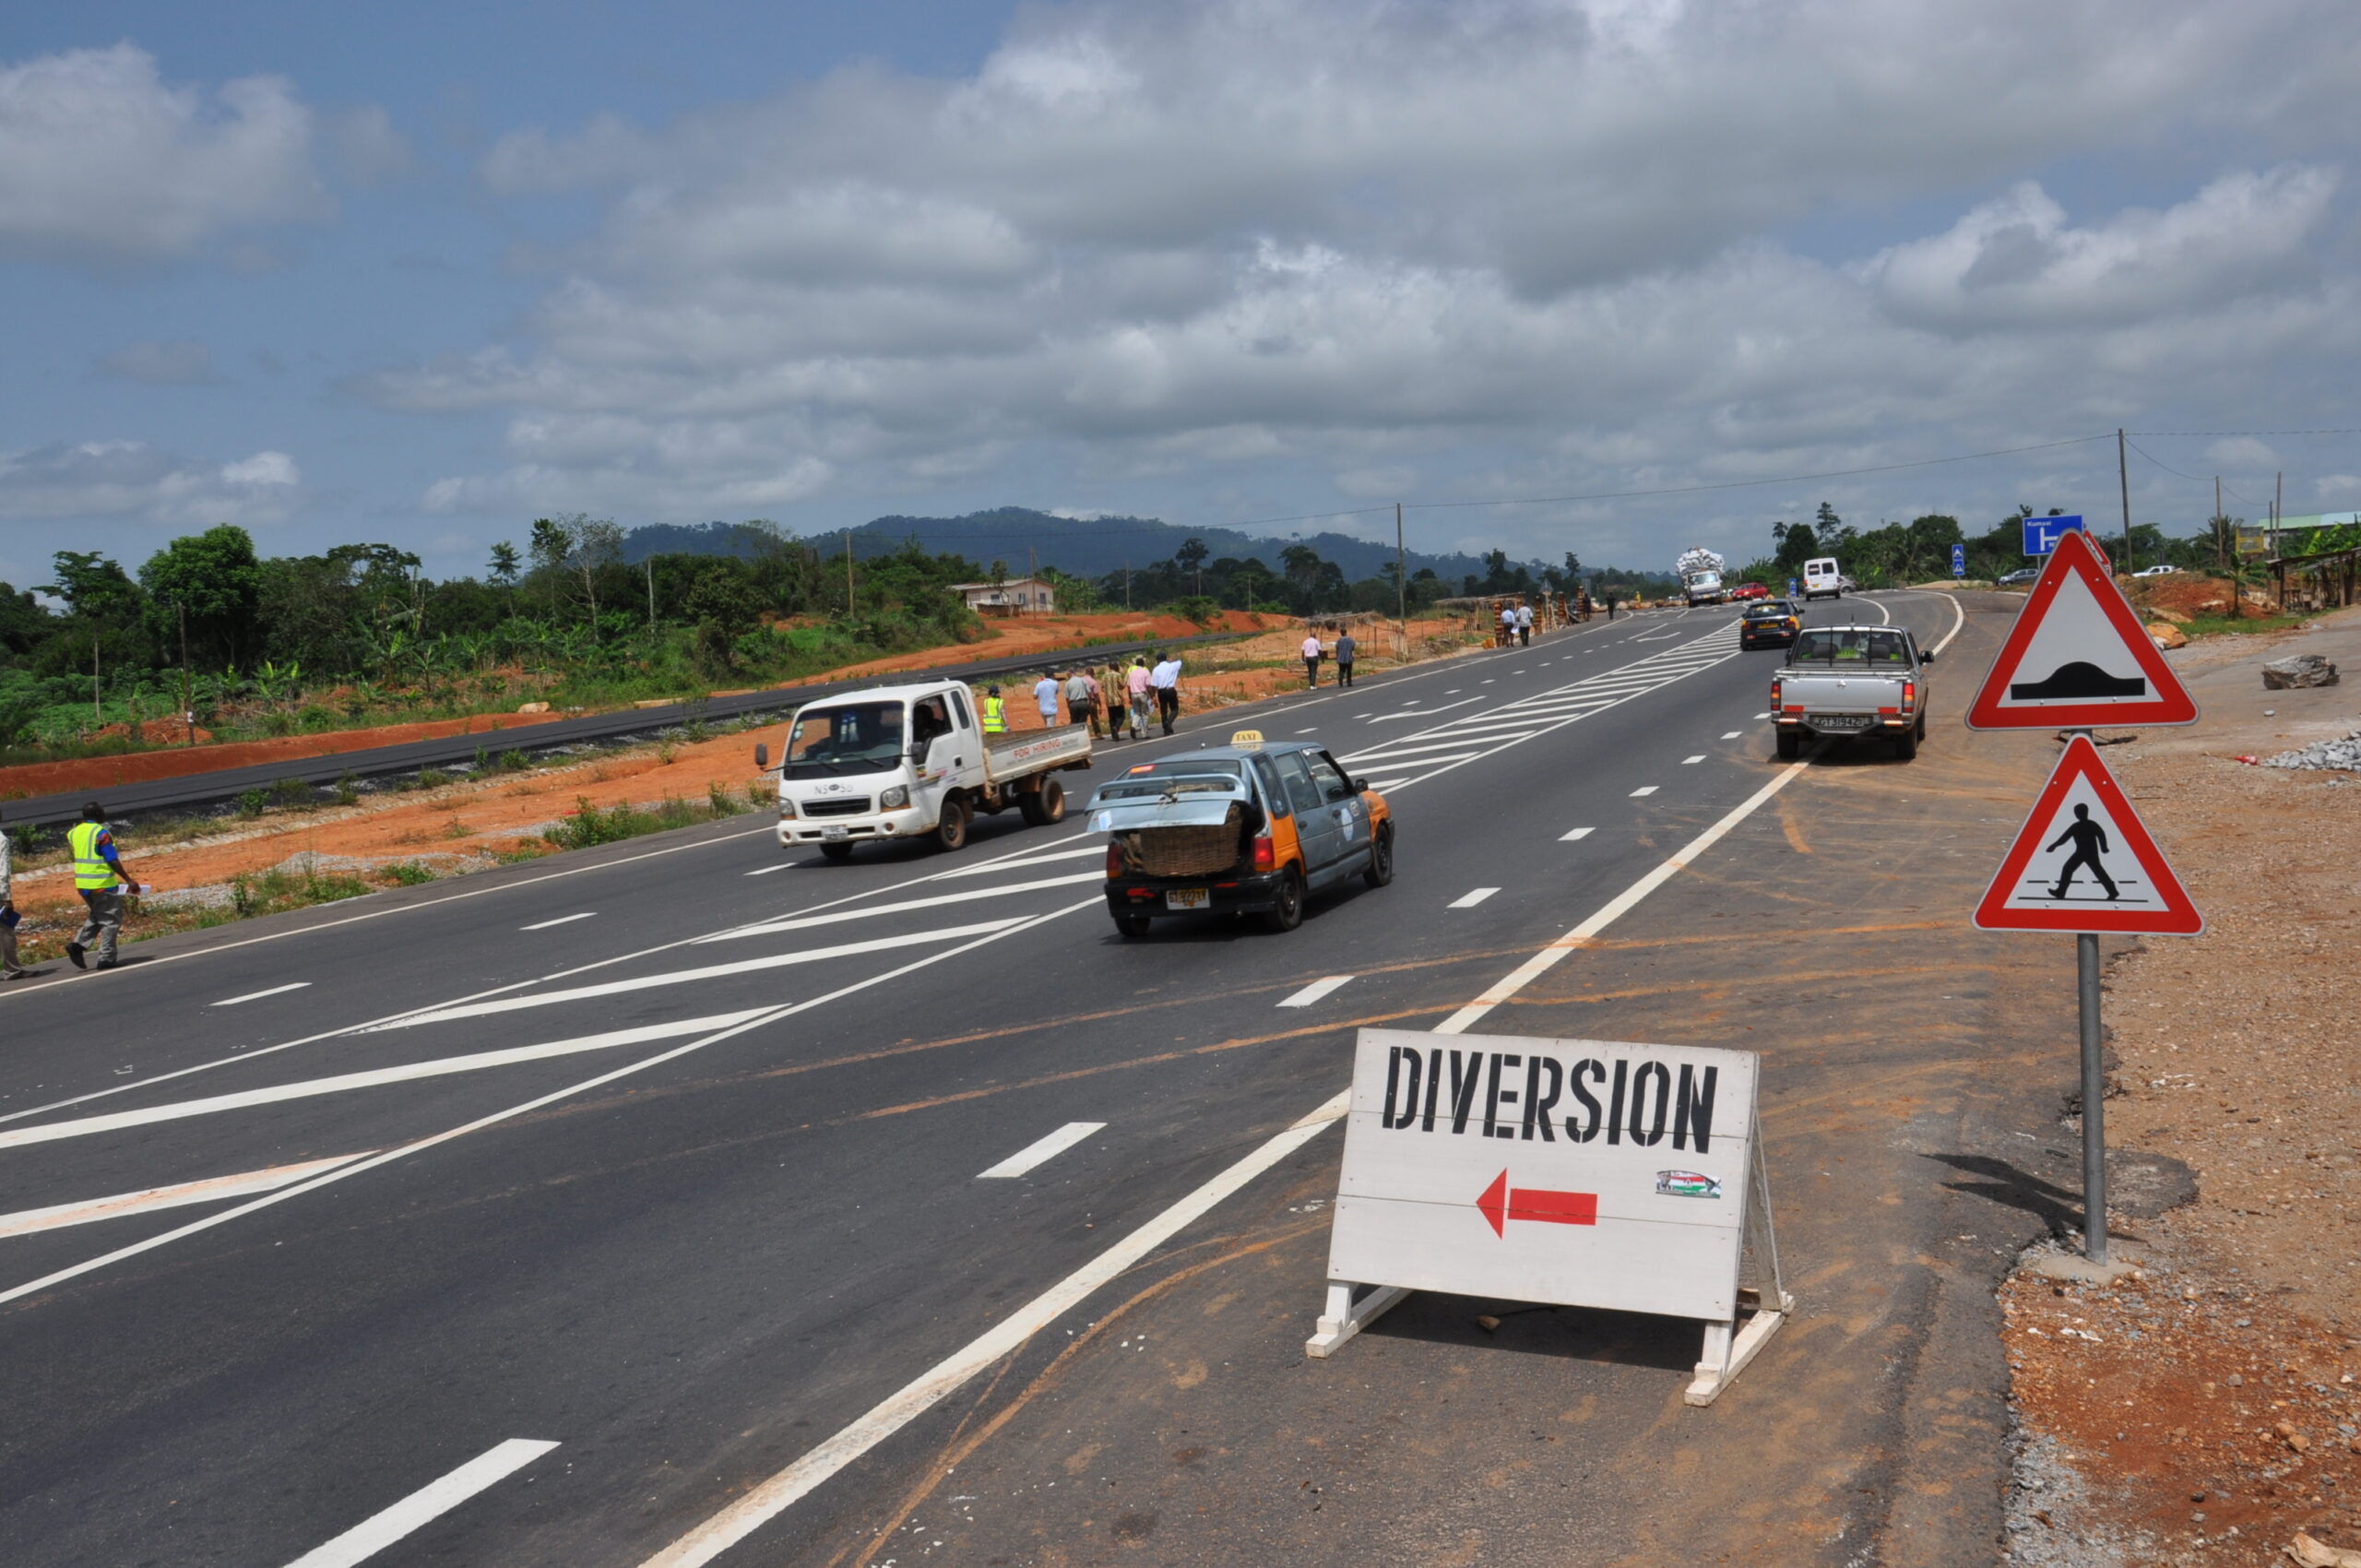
(2344, 753)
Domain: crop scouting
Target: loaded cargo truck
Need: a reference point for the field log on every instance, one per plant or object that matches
(1700, 577)
(913, 761)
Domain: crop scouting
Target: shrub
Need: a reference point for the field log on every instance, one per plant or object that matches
(515, 762)
(292, 792)
(407, 874)
(251, 801)
(432, 779)
(347, 790)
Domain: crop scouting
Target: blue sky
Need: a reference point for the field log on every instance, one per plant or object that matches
(422, 273)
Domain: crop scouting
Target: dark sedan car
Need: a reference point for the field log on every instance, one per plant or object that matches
(1772, 623)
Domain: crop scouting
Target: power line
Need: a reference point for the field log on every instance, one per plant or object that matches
(1751, 483)
(2158, 434)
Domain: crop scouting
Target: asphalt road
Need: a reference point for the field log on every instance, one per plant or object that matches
(603, 1190)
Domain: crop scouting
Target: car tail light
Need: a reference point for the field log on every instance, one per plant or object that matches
(1909, 694)
(1114, 858)
(1266, 854)
(1775, 697)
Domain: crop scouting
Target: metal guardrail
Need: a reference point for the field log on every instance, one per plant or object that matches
(196, 790)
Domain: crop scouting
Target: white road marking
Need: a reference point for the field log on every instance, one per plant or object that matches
(782, 1491)
(1614, 909)
(689, 977)
(765, 871)
(805, 922)
(1692, 761)
(1382, 785)
(561, 919)
(1307, 731)
(308, 1088)
(1041, 1150)
(613, 1075)
(1578, 832)
(1316, 989)
(24, 1222)
(1762, 716)
(1470, 900)
(429, 1502)
(1733, 735)
(1424, 712)
(258, 996)
(1643, 790)
(1094, 849)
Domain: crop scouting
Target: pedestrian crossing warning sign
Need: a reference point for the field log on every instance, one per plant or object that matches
(2078, 656)
(2082, 861)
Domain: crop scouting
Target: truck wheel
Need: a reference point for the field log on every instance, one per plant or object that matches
(951, 831)
(836, 851)
(1905, 745)
(1791, 745)
(1132, 925)
(1046, 804)
(1380, 860)
(1287, 912)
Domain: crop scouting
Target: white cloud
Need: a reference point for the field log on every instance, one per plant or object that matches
(2338, 487)
(130, 480)
(369, 152)
(1501, 248)
(100, 159)
(175, 363)
(2241, 452)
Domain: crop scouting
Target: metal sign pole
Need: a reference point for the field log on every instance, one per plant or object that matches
(2086, 947)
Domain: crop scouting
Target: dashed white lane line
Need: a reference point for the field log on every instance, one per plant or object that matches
(1041, 1150)
(1470, 900)
(1643, 790)
(903, 905)
(24, 1222)
(1307, 731)
(421, 1507)
(1734, 734)
(307, 1089)
(765, 871)
(787, 1487)
(258, 996)
(1692, 761)
(1316, 989)
(1762, 716)
(1576, 834)
(561, 919)
(688, 977)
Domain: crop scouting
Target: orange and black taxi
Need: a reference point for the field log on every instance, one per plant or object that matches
(1252, 827)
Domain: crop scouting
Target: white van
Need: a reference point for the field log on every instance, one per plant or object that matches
(1821, 576)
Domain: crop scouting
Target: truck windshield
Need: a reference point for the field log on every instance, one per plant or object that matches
(855, 738)
(1851, 646)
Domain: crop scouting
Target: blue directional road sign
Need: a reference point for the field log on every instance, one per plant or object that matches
(2041, 533)
(1958, 560)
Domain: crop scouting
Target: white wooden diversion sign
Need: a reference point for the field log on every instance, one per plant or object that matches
(1580, 1172)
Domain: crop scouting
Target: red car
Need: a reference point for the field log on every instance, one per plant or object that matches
(1750, 590)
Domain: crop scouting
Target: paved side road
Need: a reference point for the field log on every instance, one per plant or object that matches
(683, 1158)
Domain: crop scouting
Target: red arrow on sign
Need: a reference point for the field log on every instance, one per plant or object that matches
(1501, 1203)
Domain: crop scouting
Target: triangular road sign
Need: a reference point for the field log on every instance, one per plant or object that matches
(2082, 861)
(2079, 657)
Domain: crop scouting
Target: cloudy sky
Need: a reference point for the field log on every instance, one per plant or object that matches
(422, 272)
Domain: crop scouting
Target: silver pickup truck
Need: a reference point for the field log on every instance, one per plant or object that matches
(1852, 681)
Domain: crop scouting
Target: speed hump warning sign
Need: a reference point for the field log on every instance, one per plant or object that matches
(2078, 656)
(2083, 861)
(1580, 1172)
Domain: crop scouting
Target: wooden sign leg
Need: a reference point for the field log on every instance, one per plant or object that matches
(1347, 1317)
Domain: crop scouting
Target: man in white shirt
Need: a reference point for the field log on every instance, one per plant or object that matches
(1524, 625)
(10, 968)
(1164, 681)
(1508, 626)
(1045, 697)
(1312, 660)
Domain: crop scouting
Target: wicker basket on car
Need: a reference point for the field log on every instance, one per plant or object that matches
(1184, 851)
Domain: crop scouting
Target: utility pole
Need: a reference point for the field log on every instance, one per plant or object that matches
(1032, 577)
(2123, 478)
(1127, 586)
(847, 571)
(651, 593)
(96, 718)
(188, 714)
(2278, 511)
(1401, 582)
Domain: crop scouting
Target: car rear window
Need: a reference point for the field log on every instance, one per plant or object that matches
(1851, 646)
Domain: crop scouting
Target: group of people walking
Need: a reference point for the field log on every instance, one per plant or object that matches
(1347, 650)
(1115, 700)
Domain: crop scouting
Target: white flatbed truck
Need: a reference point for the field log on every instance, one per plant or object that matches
(898, 762)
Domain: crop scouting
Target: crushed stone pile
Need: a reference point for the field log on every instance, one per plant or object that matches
(2344, 753)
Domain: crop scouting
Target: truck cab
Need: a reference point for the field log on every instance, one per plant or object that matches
(911, 762)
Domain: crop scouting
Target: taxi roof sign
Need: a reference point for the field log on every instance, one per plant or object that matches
(2078, 656)
(2084, 861)
(1246, 739)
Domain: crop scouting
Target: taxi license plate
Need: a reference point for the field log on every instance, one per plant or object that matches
(1188, 899)
(1844, 721)
(831, 834)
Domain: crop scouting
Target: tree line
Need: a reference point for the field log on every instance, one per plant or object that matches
(1920, 549)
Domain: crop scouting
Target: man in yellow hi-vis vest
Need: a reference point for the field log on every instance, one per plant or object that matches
(99, 878)
(995, 712)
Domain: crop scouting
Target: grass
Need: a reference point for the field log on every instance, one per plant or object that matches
(2244, 625)
(592, 825)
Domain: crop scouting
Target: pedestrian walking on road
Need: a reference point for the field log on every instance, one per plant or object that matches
(1311, 654)
(2090, 842)
(1165, 681)
(1112, 697)
(1611, 607)
(1045, 697)
(1082, 693)
(995, 712)
(1135, 687)
(99, 878)
(1524, 625)
(9, 968)
(1508, 626)
(1346, 650)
